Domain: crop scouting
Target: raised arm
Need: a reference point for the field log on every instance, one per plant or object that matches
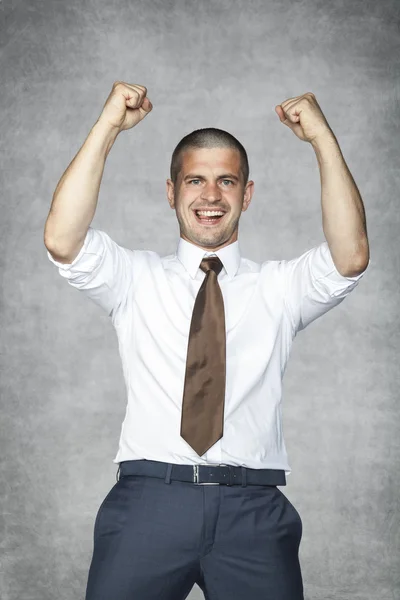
(343, 213)
(75, 197)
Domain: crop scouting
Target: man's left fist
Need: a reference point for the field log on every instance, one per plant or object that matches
(304, 117)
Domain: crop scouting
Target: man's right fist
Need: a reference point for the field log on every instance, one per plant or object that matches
(126, 105)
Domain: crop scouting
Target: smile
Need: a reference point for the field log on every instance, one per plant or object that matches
(209, 222)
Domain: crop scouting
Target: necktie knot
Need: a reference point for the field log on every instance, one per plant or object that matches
(211, 263)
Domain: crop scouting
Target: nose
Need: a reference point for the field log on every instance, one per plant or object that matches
(212, 191)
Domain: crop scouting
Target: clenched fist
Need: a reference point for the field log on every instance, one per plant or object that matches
(126, 106)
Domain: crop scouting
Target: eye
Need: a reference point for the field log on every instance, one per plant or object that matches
(229, 180)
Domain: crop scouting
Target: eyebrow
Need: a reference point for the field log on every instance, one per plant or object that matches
(225, 176)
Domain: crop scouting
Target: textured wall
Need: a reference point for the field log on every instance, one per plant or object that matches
(223, 64)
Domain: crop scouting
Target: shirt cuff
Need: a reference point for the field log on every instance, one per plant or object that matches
(328, 268)
(65, 267)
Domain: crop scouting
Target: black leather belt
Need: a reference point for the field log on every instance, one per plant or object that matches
(202, 474)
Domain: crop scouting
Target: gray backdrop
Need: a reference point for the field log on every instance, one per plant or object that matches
(222, 64)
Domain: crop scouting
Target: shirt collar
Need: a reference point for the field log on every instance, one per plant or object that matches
(191, 256)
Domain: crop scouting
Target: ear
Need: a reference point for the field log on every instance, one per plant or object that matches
(248, 194)
(170, 193)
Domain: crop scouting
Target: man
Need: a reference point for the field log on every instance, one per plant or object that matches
(204, 337)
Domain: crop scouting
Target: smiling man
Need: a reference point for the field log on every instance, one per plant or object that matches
(209, 188)
(204, 337)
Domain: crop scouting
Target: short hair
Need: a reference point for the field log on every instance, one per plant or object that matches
(209, 137)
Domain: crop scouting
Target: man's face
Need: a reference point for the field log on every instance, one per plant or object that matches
(211, 179)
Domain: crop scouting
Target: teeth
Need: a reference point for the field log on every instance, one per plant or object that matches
(209, 213)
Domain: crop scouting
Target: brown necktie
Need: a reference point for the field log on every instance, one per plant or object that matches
(204, 388)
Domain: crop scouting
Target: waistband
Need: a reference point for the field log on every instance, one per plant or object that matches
(202, 474)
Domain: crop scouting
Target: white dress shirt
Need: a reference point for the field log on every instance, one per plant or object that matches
(150, 301)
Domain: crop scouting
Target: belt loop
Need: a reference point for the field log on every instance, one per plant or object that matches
(244, 474)
(168, 475)
(118, 471)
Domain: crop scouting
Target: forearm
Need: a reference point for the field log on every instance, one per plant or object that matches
(75, 197)
(343, 214)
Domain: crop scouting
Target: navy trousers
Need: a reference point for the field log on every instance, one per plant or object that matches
(154, 539)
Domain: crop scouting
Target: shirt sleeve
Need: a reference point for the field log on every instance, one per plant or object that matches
(313, 286)
(103, 271)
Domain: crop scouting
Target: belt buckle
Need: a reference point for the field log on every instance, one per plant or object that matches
(196, 475)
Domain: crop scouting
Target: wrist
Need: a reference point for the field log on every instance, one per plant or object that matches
(324, 139)
(326, 148)
(106, 132)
